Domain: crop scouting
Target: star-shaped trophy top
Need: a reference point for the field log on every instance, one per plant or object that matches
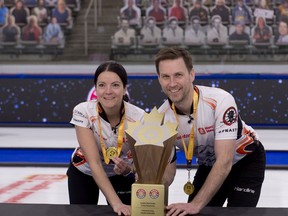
(152, 131)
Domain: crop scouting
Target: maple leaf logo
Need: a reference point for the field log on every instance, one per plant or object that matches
(153, 131)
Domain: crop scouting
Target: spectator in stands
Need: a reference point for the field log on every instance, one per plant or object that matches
(143, 4)
(188, 4)
(261, 33)
(63, 14)
(173, 33)
(239, 33)
(282, 32)
(194, 33)
(10, 31)
(30, 3)
(178, 11)
(265, 5)
(201, 11)
(9, 3)
(125, 36)
(222, 10)
(4, 12)
(150, 33)
(41, 12)
(282, 10)
(242, 13)
(218, 33)
(156, 11)
(208, 3)
(20, 12)
(166, 3)
(131, 12)
(53, 33)
(32, 32)
(51, 3)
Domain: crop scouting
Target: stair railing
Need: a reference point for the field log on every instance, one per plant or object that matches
(97, 12)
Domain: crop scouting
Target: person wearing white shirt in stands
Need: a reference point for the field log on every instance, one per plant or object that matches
(173, 33)
(125, 35)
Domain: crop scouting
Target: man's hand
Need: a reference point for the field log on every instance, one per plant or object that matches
(181, 209)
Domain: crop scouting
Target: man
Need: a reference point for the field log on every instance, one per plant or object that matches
(125, 35)
(282, 37)
(131, 12)
(150, 33)
(54, 33)
(218, 33)
(156, 11)
(178, 11)
(239, 34)
(231, 158)
(201, 11)
(173, 34)
(194, 33)
(241, 12)
(222, 10)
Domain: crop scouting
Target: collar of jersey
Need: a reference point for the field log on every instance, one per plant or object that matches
(179, 111)
(103, 115)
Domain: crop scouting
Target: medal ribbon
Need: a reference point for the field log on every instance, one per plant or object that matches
(189, 151)
(119, 140)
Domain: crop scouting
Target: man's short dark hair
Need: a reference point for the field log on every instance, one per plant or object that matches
(171, 53)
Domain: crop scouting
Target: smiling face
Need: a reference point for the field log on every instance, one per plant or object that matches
(110, 91)
(176, 82)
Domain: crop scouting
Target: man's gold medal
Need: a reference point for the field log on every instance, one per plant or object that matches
(188, 188)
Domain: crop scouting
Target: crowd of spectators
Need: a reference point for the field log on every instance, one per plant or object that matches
(36, 22)
(203, 23)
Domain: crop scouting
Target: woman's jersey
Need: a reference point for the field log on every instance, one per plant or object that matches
(216, 119)
(85, 115)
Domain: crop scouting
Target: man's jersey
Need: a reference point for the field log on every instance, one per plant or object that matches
(85, 115)
(216, 119)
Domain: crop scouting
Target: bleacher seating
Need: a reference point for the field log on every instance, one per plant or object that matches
(42, 10)
(269, 10)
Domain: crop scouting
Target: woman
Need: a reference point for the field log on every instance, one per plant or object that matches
(63, 14)
(20, 12)
(10, 31)
(100, 126)
(41, 12)
(261, 33)
(32, 32)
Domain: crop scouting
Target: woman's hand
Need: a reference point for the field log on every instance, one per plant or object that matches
(122, 209)
(121, 167)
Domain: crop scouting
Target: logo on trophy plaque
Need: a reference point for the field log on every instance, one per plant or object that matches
(151, 144)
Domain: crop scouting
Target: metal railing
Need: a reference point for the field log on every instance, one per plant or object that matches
(97, 12)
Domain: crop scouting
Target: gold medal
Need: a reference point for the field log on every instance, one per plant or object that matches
(111, 152)
(188, 188)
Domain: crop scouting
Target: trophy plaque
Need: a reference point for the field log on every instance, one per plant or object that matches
(151, 144)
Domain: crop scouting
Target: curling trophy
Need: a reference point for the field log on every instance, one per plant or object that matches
(151, 144)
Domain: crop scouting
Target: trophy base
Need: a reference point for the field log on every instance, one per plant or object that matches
(148, 199)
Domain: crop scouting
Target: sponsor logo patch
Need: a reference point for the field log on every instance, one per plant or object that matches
(230, 116)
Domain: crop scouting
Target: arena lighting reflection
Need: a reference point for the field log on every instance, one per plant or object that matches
(48, 100)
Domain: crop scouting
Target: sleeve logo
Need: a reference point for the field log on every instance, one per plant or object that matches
(230, 116)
